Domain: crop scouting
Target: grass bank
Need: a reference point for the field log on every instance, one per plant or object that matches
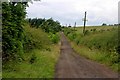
(42, 67)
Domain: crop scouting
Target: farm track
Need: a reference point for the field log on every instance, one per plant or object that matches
(72, 65)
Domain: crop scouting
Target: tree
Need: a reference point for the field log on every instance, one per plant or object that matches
(13, 16)
(48, 25)
(104, 24)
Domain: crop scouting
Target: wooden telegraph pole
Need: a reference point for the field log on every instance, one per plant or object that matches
(84, 23)
(74, 26)
(66, 25)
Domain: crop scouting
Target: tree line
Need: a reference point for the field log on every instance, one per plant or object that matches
(48, 25)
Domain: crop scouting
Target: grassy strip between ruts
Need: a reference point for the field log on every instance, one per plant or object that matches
(95, 55)
(43, 66)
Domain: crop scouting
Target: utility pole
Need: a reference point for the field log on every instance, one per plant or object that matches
(69, 24)
(84, 23)
(66, 25)
(74, 26)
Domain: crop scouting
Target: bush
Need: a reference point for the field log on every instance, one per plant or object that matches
(35, 39)
(72, 36)
(77, 41)
(86, 32)
(13, 15)
(67, 31)
(54, 37)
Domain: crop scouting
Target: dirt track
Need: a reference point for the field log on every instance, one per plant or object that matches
(71, 65)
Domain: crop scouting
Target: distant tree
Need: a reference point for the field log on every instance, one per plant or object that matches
(69, 25)
(63, 27)
(110, 24)
(116, 24)
(104, 24)
(48, 25)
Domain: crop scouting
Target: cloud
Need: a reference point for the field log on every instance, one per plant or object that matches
(119, 12)
(71, 11)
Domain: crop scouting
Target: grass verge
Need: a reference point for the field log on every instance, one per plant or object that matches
(43, 65)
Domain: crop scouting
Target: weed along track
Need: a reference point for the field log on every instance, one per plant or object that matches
(71, 65)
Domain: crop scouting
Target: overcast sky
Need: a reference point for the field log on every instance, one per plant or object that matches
(71, 11)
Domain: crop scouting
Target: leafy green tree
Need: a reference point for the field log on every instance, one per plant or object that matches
(104, 24)
(13, 17)
(48, 25)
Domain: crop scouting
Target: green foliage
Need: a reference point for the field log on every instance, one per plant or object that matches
(72, 36)
(43, 64)
(38, 61)
(103, 41)
(13, 15)
(34, 39)
(35, 22)
(16, 39)
(67, 31)
(26, 48)
(54, 37)
(104, 24)
(86, 32)
(48, 25)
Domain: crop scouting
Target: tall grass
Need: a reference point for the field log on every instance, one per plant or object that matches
(39, 39)
(107, 41)
(42, 67)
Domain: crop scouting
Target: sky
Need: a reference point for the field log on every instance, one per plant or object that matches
(71, 11)
(119, 12)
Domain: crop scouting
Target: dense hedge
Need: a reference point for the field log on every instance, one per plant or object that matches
(13, 36)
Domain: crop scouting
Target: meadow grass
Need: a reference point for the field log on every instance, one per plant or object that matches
(98, 28)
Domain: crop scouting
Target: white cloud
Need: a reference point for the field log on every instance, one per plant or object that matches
(70, 11)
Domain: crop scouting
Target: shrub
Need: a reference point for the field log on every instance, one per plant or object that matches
(36, 38)
(94, 30)
(86, 32)
(13, 15)
(72, 36)
(54, 37)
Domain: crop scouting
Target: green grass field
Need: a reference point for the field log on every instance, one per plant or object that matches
(99, 44)
(98, 28)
